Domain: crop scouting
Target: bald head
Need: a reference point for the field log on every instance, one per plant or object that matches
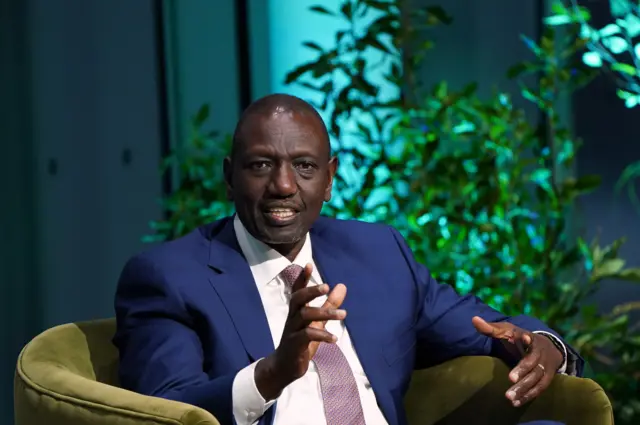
(275, 105)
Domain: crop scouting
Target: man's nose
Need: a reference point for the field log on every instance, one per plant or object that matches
(283, 181)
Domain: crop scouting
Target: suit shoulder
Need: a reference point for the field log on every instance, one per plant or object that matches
(177, 253)
(357, 229)
(166, 250)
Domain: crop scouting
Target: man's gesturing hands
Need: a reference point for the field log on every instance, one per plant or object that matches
(540, 358)
(303, 332)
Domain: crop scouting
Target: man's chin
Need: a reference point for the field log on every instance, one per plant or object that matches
(282, 241)
(282, 237)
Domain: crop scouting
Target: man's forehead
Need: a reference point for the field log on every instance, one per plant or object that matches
(272, 138)
(283, 123)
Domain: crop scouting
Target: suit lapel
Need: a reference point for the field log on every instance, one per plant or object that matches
(338, 266)
(236, 288)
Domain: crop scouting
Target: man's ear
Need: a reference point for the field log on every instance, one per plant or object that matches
(227, 170)
(333, 167)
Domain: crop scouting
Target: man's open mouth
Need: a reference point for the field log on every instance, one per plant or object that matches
(281, 215)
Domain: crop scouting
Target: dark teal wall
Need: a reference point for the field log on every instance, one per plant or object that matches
(19, 315)
(202, 62)
(79, 90)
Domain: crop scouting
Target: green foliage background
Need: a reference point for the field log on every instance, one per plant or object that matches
(612, 49)
(480, 192)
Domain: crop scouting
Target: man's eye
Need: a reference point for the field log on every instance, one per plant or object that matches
(259, 165)
(305, 166)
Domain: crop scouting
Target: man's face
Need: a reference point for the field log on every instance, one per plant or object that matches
(280, 176)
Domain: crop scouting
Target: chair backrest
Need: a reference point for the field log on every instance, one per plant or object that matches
(68, 375)
(82, 348)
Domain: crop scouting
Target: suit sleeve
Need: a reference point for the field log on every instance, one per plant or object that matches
(160, 353)
(443, 322)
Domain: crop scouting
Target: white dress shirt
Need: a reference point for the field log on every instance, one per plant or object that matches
(301, 401)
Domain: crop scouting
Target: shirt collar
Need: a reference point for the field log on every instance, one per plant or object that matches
(265, 262)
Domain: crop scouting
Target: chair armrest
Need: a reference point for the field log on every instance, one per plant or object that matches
(54, 395)
(473, 388)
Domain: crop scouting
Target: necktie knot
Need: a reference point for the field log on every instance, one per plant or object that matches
(290, 274)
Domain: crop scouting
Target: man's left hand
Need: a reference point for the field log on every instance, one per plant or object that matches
(540, 358)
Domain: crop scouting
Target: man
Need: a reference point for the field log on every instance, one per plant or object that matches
(230, 317)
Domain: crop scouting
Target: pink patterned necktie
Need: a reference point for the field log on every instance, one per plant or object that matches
(337, 383)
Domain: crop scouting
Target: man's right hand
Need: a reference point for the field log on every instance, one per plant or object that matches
(303, 332)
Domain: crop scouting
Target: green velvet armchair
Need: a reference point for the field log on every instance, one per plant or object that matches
(68, 376)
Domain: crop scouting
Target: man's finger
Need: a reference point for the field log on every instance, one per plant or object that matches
(303, 280)
(525, 365)
(522, 341)
(334, 301)
(336, 296)
(534, 392)
(517, 391)
(529, 387)
(310, 335)
(305, 295)
(483, 327)
(317, 314)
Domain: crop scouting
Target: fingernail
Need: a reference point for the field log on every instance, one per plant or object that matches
(514, 377)
(516, 403)
(340, 313)
(511, 395)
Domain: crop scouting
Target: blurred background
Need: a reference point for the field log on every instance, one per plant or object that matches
(94, 93)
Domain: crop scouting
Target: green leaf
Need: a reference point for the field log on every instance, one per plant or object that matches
(583, 184)
(518, 69)
(340, 35)
(201, 116)
(625, 308)
(609, 268)
(298, 72)
(557, 20)
(347, 9)
(541, 176)
(372, 41)
(559, 8)
(615, 44)
(532, 45)
(611, 251)
(385, 24)
(441, 90)
(624, 68)
(440, 14)
(631, 275)
(469, 90)
(609, 30)
(321, 9)
(384, 6)
(592, 59)
(312, 45)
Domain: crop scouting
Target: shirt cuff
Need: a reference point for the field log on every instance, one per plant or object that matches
(248, 403)
(563, 368)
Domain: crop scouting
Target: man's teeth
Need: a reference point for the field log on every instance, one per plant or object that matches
(282, 212)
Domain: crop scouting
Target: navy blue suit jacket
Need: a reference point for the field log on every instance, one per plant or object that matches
(190, 317)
